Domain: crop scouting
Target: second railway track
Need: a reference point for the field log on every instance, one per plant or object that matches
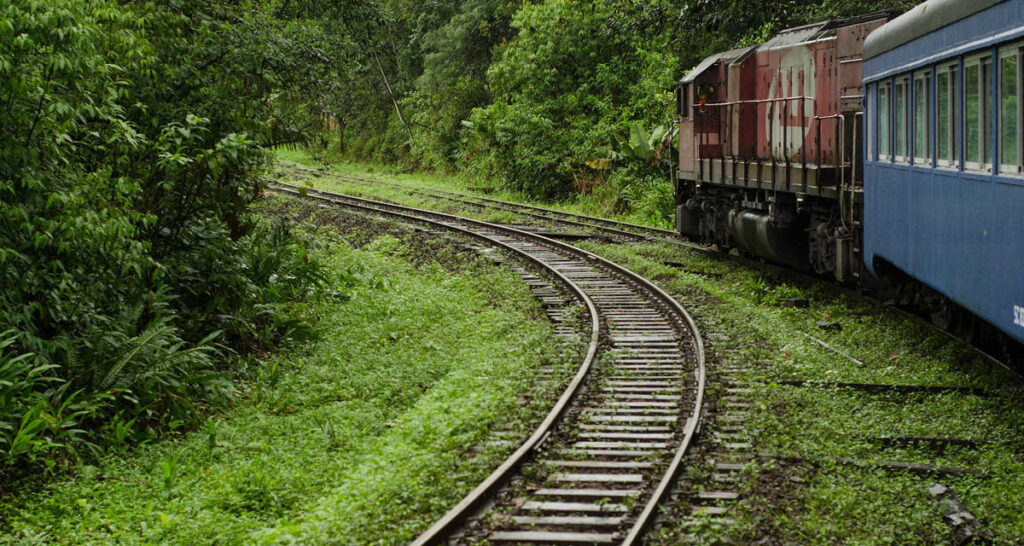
(608, 453)
(612, 228)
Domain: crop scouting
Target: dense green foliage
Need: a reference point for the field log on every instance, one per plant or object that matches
(134, 133)
(532, 95)
(568, 81)
(130, 270)
(356, 438)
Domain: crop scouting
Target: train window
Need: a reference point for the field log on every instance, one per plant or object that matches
(972, 121)
(946, 109)
(883, 121)
(986, 112)
(869, 119)
(683, 101)
(899, 119)
(978, 117)
(1009, 111)
(922, 127)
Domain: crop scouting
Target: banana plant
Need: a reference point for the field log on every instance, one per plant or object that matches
(640, 146)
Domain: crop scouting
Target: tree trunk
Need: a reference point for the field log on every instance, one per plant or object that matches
(391, 94)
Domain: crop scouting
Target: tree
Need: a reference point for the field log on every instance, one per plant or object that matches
(567, 81)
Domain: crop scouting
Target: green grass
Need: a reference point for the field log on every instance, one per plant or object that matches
(822, 502)
(591, 205)
(805, 497)
(365, 436)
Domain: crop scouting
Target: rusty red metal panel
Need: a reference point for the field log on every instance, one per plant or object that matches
(710, 90)
(743, 113)
(798, 85)
(850, 38)
(849, 47)
(786, 101)
(735, 87)
(686, 155)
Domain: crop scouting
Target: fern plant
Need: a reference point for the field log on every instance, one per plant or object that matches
(153, 367)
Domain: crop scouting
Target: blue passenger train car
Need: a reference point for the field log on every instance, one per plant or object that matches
(943, 176)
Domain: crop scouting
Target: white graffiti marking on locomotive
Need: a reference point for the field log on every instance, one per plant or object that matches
(796, 76)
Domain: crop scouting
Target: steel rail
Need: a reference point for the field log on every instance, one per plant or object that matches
(469, 504)
(486, 489)
(581, 220)
(674, 238)
(516, 208)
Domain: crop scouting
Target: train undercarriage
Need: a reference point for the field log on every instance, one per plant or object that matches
(823, 237)
(806, 233)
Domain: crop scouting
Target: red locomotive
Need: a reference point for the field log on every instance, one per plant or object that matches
(769, 148)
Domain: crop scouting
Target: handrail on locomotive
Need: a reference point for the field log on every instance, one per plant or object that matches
(839, 163)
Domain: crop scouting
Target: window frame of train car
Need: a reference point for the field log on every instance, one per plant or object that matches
(948, 135)
(985, 125)
(870, 123)
(884, 118)
(1012, 51)
(921, 121)
(683, 101)
(901, 118)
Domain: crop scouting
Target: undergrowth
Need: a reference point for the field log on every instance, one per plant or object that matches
(365, 435)
(636, 197)
(153, 369)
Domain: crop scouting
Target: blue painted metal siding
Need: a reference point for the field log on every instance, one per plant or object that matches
(999, 23)
(960, 232)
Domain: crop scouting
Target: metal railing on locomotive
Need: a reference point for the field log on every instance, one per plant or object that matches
(846, 187)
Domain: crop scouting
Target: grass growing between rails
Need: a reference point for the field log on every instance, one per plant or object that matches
(796, 491)
(364, 436)
(646, 203)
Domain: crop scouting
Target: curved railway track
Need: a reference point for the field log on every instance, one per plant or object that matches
(611, 228)
(607, 454)
(626, 231)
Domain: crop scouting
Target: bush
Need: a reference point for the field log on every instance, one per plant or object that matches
(569, 79)
(131, 271)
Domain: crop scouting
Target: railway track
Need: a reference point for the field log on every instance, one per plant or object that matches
(612, 228)
(607, 454)
(625, 232)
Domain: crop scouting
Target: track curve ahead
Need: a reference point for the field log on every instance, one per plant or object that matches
(625, 231)
(608, 452)
(612, 228)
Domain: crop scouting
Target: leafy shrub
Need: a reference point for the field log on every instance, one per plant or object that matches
(259, 297)
(570, 78)
(20, 383)
(126, 252)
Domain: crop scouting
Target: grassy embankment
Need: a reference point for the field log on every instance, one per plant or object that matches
(366, 435)
(591, 204)
(797, 491)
